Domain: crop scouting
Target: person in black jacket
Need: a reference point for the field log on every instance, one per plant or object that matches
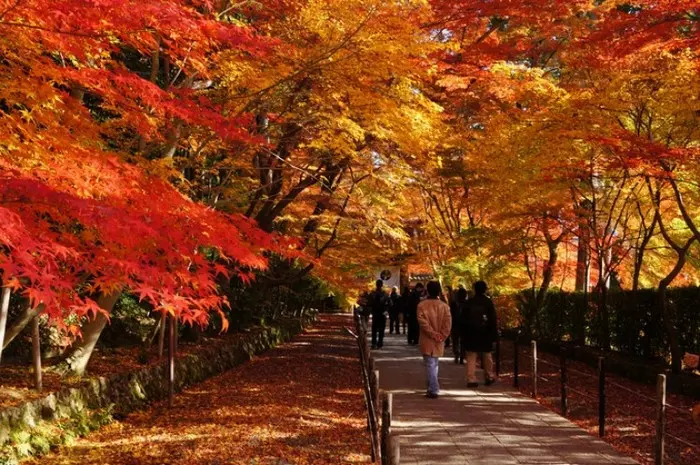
(479, 333)
(448, 297)
(380, 304)
(412, 305)
(403, 308)
(456, 309)
(394, 310)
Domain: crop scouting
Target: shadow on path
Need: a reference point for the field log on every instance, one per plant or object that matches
(488, 425)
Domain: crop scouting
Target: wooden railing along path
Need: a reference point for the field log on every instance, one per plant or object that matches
(384, 445)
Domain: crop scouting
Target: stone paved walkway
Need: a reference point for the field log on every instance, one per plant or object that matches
(493, 425)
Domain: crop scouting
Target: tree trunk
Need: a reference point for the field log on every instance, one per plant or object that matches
(583, 267)
(583, 270)
(4, 309)
(172, 139)
(636, 272)
(667, 314)
(604, 317)
(77, 361)
(176, 329)
(271, 173)
(161, 335)
(671, 332)
(36, 354)
(648, 233)
(21, 322)
(639, 256)
(638, 262)
(330, 182)
(547, 273)
(171, 360)
(581, 313)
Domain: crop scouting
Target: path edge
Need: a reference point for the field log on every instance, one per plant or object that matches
(33, 428)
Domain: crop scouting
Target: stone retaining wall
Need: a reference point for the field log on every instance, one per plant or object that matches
(33, 428)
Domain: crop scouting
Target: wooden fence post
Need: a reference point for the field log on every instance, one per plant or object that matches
(372, 380)
(534, 369)
(375, 393)
(660, 420)
(36, 353)
(391, 454)
(515, 361)
(564, 382)
(390, 406)
(364, 368)
(386, 427)
(369, 381)
(374, 385)
(601, 396)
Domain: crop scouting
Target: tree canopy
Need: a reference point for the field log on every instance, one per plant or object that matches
(164, 147)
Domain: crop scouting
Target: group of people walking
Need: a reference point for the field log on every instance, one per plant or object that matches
(434, 321)
(400, 308)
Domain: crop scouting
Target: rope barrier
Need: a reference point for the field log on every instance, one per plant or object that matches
(649, 398)
(583, 394)
(676, 438)
(555, 365)
(682, 441)
(571, 370)
(534, 362)
(617, 385)
(678, 409)
(351, 333)
(636, 393)
(581, 373)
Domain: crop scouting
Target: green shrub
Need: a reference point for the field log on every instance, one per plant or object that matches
(636, 327)
(40, 444)
(131, 323)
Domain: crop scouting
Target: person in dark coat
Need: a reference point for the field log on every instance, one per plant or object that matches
(394, 310)
(479, 333)
(448, 297)
(380, 304)
(364, 309)
(413, 328)
(403, 308)
(457, 307)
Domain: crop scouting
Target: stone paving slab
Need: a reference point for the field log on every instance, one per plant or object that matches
(494, 425)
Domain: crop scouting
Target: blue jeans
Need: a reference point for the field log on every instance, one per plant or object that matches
(431, 371)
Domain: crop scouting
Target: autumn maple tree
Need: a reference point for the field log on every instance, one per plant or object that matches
(167, 149)
(88, 210)
(591, 110)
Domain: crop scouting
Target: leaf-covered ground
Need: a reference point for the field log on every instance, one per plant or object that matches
(300, 403)
(630, 407)
(17, 379)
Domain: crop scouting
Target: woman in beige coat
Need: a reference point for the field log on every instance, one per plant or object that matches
(435, 323)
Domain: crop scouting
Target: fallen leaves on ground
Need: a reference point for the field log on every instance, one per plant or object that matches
(630, 407)
(300, 403)
(17, 376)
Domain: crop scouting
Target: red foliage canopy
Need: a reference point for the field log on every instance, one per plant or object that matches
(80, 215)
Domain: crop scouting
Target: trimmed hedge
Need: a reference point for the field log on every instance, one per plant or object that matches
(636, 327)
